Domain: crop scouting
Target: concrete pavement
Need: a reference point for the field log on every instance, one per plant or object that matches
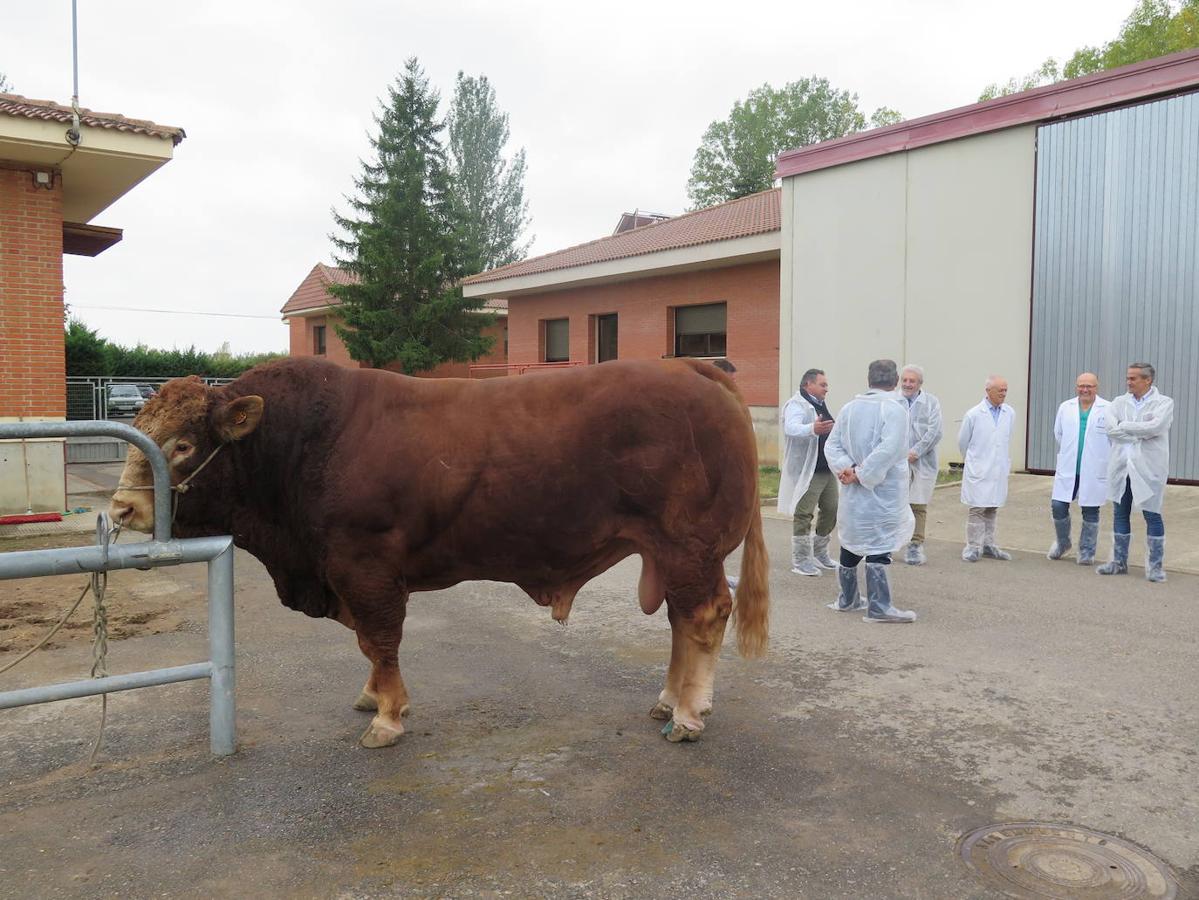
(846, 764)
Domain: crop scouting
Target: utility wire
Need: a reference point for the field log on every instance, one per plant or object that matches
(177, 312)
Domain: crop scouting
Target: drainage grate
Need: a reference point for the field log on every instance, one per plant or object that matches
(1062, 862)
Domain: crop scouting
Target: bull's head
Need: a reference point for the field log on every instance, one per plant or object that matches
(189, 421)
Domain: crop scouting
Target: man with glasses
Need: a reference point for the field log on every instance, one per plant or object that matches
(1138, 427)
(1082, 452)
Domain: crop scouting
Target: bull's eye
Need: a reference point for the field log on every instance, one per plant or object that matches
(182, 447)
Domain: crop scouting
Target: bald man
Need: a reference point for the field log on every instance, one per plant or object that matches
(1082, 449)
(983, 439)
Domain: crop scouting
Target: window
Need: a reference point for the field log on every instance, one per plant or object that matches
(318, 340)
(700, 330)
(557, 340)
(605, 338)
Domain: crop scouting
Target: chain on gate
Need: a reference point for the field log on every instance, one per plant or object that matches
(107, 533)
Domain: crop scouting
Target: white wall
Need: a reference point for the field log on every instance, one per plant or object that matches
(32, 473)
(923, 256)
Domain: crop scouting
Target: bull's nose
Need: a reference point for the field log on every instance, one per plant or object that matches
(119, 511)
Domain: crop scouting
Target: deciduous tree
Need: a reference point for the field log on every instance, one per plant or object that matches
(488, 187)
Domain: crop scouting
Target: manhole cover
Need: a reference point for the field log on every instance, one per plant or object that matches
(1032, 860)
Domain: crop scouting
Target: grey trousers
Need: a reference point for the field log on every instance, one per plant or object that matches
(822, 493)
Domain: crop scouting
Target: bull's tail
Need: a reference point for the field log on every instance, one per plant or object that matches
(751, 611)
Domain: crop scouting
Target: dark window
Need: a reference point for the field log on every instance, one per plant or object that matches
(700, 330)
(318, 340)
(605, 338)
(557, 340)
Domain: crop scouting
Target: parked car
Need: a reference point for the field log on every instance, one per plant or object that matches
(147, 391)
(124, 398)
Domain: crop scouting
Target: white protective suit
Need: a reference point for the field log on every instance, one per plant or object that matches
(871, 433)
(801, 446)
(924, 433)
(1140, 448)
(1092, 479)
(984, 445)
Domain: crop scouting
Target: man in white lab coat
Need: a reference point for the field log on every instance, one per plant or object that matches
(924, 433)
(983, 439)
(1081, 474)
(806, 482)
(1138, 427)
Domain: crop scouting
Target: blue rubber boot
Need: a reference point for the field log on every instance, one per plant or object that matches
(1155, 558)
(1088, 541)
(1062, 544)
(848, 600)
(1119, 561)
(878, 590)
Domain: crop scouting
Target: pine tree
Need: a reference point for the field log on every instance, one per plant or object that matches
(404, 245)
(489, 188)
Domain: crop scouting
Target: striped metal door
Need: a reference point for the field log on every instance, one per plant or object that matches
(1116, 264)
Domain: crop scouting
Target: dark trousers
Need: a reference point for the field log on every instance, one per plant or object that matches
(1061, 509)
(849, 560)
(1154, 526)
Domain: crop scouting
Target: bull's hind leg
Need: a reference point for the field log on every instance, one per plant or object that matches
(697, 635)
(668, 699)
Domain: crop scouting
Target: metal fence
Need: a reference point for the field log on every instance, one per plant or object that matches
(88, 395)
(217, 552)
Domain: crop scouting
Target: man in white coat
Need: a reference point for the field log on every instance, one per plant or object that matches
(1081, 474)
(868, 452)
(983, 439)
(924, 433)
(1138, 427)
(806, 482)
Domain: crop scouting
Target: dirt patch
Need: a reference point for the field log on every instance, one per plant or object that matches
(138, 603)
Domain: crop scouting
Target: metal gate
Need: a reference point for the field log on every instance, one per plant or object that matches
(1116, 264)
(160, 551)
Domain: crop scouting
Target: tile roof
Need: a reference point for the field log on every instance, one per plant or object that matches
(747, 216)
(23, 107)
(313, 291)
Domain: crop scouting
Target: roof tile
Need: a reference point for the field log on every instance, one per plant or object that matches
(23, 107)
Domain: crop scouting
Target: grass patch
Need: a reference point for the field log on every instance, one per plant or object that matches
(768, 482)
(949, 476)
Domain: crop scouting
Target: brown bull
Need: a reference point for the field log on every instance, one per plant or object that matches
(356, 488)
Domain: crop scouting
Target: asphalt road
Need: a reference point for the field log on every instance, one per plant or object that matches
(846, 764)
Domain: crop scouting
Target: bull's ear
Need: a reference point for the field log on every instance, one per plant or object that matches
(237, 419)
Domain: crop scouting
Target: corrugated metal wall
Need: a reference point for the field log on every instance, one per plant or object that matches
(1116, 264)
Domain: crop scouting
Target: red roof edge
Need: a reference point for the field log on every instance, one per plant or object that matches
(1163, 75)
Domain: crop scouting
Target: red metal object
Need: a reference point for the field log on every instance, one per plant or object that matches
(497, 370)
(31, 517)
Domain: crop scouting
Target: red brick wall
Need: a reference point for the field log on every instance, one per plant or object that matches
(644, 321)
(335, 351)
(32, 352)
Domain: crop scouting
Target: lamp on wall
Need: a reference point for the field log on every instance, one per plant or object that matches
(43, 180)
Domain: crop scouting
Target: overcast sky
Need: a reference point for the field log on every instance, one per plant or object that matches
(610, 102)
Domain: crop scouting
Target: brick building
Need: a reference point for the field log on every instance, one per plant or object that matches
(311, 314)
(53, 182)
(704, 284)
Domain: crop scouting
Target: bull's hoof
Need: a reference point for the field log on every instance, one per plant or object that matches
(381, 734)
(679, 732)
(661, 712)
(366, 702)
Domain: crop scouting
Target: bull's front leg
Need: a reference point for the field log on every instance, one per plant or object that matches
(379, 634)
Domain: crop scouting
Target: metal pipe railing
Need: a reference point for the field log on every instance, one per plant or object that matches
(158, 462)
(161, 551)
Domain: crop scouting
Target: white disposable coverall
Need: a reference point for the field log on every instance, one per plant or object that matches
(1140, 448)
(873, 515)
(801, 446)
(984, 445)
(1092, 479)
(924, 433)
